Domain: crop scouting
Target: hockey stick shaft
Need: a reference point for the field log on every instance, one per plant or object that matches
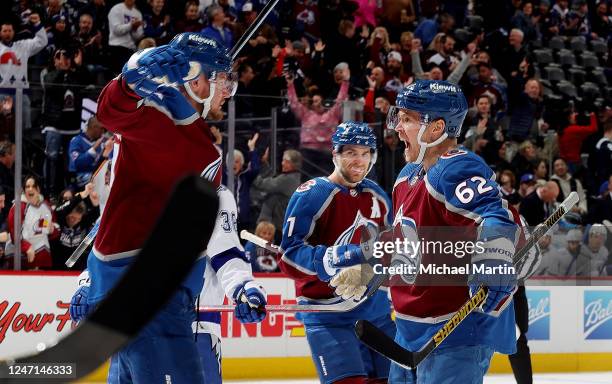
(76, 255)
(375, 339)
(258, 241)
(235, 51)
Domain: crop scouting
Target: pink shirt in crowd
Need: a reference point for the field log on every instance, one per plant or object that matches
(317, 129)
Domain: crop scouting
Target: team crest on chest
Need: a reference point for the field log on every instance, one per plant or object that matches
(348, 234)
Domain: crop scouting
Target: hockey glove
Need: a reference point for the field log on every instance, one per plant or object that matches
(336, 257)
(352, 282)
(497, 276)
(79, 309)
(250, 300)
(149, 68)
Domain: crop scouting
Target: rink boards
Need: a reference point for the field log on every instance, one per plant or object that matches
(570, 326)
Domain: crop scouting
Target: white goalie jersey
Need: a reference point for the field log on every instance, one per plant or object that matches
(226, 264)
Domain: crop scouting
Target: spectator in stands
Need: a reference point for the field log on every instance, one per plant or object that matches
(525, 109)
(379, 46)
(157, 23)
(7, 178)
(3, 223)
(398, 17)
(261, 259)
(444, 56)
(540, 171)
(568, 184)
(90, 39)
(13, 66)
(602, 22)
(98, 10)
(484, 57)
(391, 156)
(577, 20)
(596, 249)
(125, 25)
(563, 261)
(346, 46)
(190, 22)
(571, 136)
(523, 20)
(526, 158)
(38, 226)
(61, 115)
(278, 189)
(318, 125)
(507, 181)
(243, 178)
(603, 155)
(428, 27)
(527, 185)
(58, 35)
(537, 206)
(216, 27)
(87, 150)
(486, 83)
(368, 13)
(481, 131)
(75, 218)
(601, 207)
(559, 15)
(7, 118)
(513, 53)
(500, 162)
(546, 249)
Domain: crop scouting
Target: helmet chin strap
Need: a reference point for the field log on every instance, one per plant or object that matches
(205, 102)
(423, 145)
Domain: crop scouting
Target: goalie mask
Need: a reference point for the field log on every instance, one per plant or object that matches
(432, 100)
(354, 133)
(207, 57)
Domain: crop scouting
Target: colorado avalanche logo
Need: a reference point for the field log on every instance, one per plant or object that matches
(404, 229)
(347, 236)
(306, 186)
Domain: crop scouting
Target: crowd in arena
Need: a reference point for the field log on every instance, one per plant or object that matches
(536, 75)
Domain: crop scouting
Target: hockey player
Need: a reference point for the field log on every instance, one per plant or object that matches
(226, 268)
(445, 185)
(157, 107)
(322, 229)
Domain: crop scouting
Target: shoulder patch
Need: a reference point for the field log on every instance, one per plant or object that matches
(306, 186)
(453, 153)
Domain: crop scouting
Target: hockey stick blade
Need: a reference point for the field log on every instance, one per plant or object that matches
(258, 241)
(408, 359)
(144, 289)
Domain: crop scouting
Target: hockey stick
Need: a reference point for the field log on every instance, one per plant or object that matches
(377, 340)
(342, 306)
(258, 241)
(144, 289)
(84, 245)
(252, 28)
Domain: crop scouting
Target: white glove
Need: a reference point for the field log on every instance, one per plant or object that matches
(352, 282)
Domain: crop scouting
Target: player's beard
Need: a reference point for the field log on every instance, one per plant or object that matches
(351, 178)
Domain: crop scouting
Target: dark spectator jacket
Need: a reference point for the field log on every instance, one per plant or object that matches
(242, 187)
(70, 238)
(278, 190)
(532, 209)
(62, 108)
